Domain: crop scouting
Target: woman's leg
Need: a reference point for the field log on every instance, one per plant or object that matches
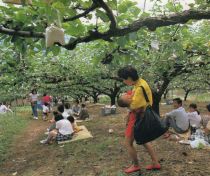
(35, 110)
(32, 108)
(152, 153)
(131, 150)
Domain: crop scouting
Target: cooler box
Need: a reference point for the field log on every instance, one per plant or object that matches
(108, 111)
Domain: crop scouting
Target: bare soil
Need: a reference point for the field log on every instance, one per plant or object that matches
(104, 155)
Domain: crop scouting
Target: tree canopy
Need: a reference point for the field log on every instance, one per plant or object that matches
(164, 44)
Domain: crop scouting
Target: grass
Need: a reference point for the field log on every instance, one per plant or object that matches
(200, 97)
(10, 125)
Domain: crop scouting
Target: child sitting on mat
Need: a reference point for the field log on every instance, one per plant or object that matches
(63, 131)
(74, 124)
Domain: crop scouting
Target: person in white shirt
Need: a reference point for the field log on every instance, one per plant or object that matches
(76, 108)
(33, 98)
(4, 109)
(177, 119)
(63, 131)
(45, 110)
(207, 127)
(67, 111)
(194, 116)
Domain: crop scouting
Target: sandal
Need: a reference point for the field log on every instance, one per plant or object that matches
(153, 167)
(132, 169)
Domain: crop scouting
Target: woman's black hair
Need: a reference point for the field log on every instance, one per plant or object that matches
(128, 72)
(33, 91)
(55, 113)
(44, 94)
(71, 119)
(67, 105)
(58, 117)
(83, 105)
(194, 106)
(76, 101)
(60, 108)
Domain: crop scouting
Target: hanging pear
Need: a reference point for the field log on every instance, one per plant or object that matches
(54, 34)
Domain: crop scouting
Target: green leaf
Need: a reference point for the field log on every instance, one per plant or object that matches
(55, 50)
(121, 41)
(74, 28)
(125, 5)
(102, 15)
(133, 36)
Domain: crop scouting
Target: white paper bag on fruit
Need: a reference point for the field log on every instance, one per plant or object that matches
(18, 1)
(54, 34)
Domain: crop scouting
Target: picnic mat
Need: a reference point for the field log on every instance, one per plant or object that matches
(84, 134)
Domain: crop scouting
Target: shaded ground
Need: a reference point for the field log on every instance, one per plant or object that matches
(104, 155)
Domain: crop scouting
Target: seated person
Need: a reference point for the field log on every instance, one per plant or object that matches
(67, 111)
(177, 118)
(194, 116)
(4, 108)
(60, 111)
(76, 108)
(83, 114)
(207, 128)
(74, 124)
(206, 118)
(63, 131)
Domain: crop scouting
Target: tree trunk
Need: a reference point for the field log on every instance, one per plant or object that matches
(113, 98)
(95, 99)
(186, 94)
(165, 94)
(156, 102)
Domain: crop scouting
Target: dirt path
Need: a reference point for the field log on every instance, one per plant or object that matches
(27, 156)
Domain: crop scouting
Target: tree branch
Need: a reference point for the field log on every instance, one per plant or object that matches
(151, 23)
(109, 13)
(30, 34)
(92, 7)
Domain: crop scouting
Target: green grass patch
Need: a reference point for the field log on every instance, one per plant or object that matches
(10, 125)
(200, 97)
(22, 108)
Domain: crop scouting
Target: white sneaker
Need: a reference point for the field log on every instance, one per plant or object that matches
(36, 118)
(43, 141)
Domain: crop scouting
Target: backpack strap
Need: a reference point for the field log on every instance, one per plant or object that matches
(145, 94)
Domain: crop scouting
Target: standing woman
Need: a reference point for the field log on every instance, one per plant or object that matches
(33, 98)
(138, 105)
